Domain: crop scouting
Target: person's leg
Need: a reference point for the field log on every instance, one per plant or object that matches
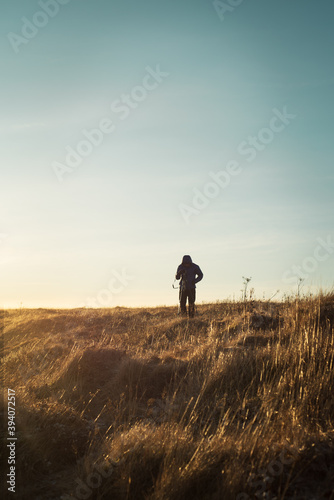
(183, 300)
(191, 299)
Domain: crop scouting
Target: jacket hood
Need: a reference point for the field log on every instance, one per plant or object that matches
(187, 259)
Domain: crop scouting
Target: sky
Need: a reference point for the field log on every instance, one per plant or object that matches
(133, 133)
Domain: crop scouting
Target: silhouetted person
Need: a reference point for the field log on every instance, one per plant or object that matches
(190, 274)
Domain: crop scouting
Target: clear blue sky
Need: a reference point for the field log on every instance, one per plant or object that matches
(64, 237)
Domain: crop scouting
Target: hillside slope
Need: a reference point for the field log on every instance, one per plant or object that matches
(143, 404)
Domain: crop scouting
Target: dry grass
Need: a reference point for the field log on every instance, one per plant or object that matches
(236, 403)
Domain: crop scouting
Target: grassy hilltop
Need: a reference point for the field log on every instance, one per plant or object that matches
(141, 404)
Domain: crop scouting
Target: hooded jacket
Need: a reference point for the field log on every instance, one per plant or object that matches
(189, 275)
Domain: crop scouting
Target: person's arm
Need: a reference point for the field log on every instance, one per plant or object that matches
(199, 275)
(179, 272)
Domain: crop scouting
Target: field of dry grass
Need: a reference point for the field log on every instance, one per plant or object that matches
(137, 404)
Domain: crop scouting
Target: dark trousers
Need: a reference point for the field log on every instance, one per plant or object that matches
(189, 294)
